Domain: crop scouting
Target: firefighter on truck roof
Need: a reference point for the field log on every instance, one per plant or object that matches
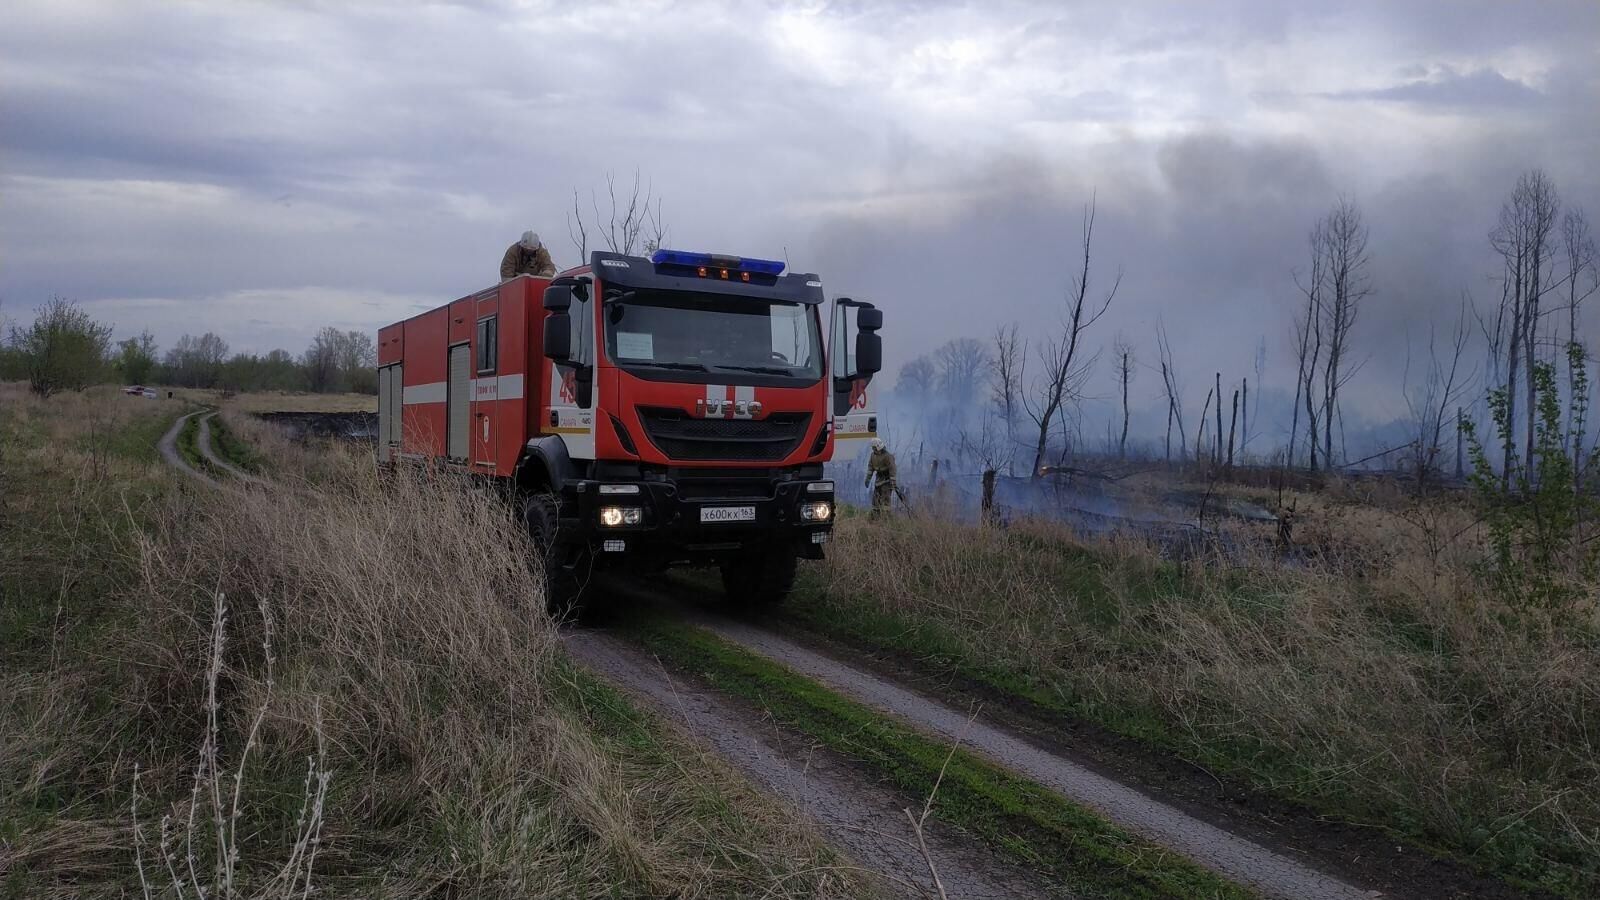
(526, 257)
(881, 465)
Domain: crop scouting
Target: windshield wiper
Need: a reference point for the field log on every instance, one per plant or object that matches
(762, 370)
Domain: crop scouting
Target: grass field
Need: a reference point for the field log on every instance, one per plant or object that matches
(278, 401)
(1381, 684)
(253, 692)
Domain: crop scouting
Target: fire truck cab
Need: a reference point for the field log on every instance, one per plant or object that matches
(643, 412)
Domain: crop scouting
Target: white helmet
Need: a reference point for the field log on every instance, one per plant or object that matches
(877, 443)
(530, 240)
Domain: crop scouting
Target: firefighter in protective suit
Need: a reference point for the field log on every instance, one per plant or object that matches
(880, 465)
(526, 257)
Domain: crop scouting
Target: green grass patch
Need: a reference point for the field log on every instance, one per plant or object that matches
(189, 446)
(133, 438)
(1038, 828)
(232, 448)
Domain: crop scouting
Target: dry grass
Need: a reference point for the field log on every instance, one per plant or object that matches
(279, 401)
(413, 660)
(1382, 682)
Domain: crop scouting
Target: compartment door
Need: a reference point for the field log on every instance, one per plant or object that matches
(458, 402)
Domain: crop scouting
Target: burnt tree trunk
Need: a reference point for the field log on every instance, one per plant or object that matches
(1231, 425)
(988, 495)
(1244, 418)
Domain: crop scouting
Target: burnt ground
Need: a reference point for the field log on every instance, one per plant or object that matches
(1367, 855)
(350, 426)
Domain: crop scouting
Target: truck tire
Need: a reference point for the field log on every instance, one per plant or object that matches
(759, 579)
(563, 559)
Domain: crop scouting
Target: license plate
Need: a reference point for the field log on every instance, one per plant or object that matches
(727, 514)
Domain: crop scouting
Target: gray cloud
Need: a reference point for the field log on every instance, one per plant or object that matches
(1477, 88)
(265, 169)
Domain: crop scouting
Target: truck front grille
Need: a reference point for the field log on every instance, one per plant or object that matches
(681, 436)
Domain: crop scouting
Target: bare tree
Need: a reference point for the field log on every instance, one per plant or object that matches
(631, 224)
(1249, 412)
(1522, 237)
(916, 380)
(1199, 434)
(962, 363)
(1244, 419)
(1582, 260)
(197, 361)
(1064, 369)
(1232, 424)
(1124, 354)
(1345, 244)
(1308, 333)
(1216, 450)
(1443, 385)
(1169, 383)
(1006, 366)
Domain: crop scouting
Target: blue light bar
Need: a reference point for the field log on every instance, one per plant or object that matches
(688, 258)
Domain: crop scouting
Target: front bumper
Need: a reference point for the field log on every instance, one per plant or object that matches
(674, 529)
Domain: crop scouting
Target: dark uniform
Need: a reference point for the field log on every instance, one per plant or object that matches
(519, 260)
(881, 465)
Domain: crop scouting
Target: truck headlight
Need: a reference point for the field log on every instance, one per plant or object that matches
(820, 487)
(619, 489)
(613, 516)
(816, 511)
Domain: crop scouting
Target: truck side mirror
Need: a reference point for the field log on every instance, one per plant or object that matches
(558, 335)
(558, 298)
(869, 346)
(869, 351)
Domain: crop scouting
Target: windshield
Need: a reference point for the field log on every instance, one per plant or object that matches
(696, 332)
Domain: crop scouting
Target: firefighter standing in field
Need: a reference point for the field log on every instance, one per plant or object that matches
(881, 465)
(526, 257)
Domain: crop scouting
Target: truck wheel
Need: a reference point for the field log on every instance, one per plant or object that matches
(564, 563)
(759, 579)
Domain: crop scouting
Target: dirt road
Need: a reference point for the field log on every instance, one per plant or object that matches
(169, 450)
(1267, 871)
(203, 442)
(866, 821)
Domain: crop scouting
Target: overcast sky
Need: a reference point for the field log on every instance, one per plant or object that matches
(263, 169)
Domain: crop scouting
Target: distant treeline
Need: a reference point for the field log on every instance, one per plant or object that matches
(65, 349)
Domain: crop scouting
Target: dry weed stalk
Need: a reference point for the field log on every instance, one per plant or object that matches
(207, 787)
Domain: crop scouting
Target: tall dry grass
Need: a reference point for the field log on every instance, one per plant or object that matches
(411, 660)
(1384, 682)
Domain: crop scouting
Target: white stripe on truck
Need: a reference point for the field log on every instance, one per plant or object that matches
(503, 387)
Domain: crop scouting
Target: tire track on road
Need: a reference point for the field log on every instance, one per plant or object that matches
(864, 820)
(203, 441)
(168, 446)
(1227, 854)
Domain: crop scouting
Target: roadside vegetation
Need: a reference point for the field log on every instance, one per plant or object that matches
(189, 447)
(230, 447)
(347, 684)
(1389, 679)
(1034, 826)
(268, 401)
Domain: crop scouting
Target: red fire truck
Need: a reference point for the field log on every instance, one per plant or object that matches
(642, 412)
